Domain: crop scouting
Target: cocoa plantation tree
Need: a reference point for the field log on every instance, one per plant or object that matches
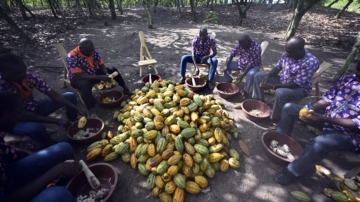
(12, 24)
(343, 9)
(242, 7)
(302, 7)
(352, 58)
(112, 9)
(146, 4)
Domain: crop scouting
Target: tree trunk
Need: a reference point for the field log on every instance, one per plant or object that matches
(52, 9)
(226, 3)
(112, 9)
(294, 5)
(242, 10)
(193, 9)
(32, 15)
(332, 3)
(182, 3)
(298, 14)
(5, 6)
(119, 4)
(11, 22)
(270, 4)
(155, 5)
(352, 58)
(289, 3)
(338, 15)
(146, 4)
(22, 10)
(178, 7)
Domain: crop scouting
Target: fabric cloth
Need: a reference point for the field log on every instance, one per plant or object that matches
(298, 71)
(203, 48)
(32, 167)
(233, 66)
(344, 100)
(331, 139)
(250, 57)
(36, 131)
(76, 62)
(281, 96)
(85, 86)
(212, 62)
(25, 89)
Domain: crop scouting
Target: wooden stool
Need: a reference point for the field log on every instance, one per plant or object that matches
(145, 60)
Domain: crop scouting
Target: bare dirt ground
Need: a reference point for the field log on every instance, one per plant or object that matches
(119, 46)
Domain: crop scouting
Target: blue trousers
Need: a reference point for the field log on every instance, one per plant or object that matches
(36, 130)
(212, 62)
(282, 95)
(35, 165)
(318, 147)
(233, 65)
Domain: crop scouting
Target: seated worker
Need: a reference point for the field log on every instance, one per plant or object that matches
(338, 111)
(14, 78)
(86, 68)
(248, 64)
(200, 53)
(25, 179)
(297, 66)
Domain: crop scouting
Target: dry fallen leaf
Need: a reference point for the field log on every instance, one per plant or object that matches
(243, 147)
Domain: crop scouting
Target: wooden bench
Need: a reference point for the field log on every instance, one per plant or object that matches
(145, 60)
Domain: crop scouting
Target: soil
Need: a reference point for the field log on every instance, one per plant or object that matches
(119, 45)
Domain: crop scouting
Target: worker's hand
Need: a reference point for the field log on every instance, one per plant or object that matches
(315, 118)
(265, 86)
(63, 122)
(70, 167)
(104, 78)
(204, 59)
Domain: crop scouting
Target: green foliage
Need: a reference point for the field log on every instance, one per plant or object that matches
(212, 17)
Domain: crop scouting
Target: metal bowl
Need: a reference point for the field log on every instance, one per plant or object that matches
(282, 139)
(154, 77)
(105, 173)
(114, 94)
(251, 104)
(226, 90)
(94, 123)
(200, 84)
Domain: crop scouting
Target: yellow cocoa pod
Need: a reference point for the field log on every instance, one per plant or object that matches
(201, 181)
(234, 163)
(159, 182)
(151, 150)
(170, 187)
(93, 154)
(179, 195)
(215, 157)
(224, 165)
(188, 160)
(132, 144)
(156, 191)
(164, 197)
(107, 150)
(175, 128)
(133, 160)
(192, 187)
(166, 177)
(82, 122)
(173, 170)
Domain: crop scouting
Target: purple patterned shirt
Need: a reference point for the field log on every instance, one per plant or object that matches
(201, 48)
(298, 71)
(25, 89)
(76, 62)
(250, 57)
(344, 100)
(7, 154)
